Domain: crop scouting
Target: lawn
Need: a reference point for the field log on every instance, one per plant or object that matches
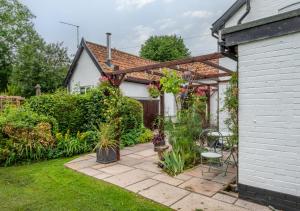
(50, 186)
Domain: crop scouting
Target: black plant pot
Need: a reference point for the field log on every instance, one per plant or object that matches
(108, 155)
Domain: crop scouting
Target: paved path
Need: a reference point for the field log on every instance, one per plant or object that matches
(137, 171)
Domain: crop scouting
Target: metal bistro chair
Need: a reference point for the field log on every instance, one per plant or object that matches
(212, 140)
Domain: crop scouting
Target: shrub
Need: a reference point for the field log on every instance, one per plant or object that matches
(145, 136)
(25, 135)
(62, 106)
(131, 112)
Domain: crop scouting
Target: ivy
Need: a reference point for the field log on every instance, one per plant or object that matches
(231, 106)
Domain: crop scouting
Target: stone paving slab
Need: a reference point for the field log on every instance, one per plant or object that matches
(149, 166)
(102, 175)
(130, 161)
(221, 178)
(250, 205)
(129, 178)
(225, 198)
(143, 185)
(199, 202)
(89, 171)
(167, 179)
(80, 165)
(146, 153)
(164, 193)
(137, 171)
(116, 169)
(202, 186)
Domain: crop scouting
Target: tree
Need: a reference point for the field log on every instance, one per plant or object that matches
(25, 58)
(164, 48)
(16, 28)
(39, 63)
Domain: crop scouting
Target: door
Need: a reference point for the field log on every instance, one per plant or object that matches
(151, 112)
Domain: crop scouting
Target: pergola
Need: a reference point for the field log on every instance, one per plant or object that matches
(182, 66)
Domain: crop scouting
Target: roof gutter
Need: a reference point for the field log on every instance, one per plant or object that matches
(248, 5)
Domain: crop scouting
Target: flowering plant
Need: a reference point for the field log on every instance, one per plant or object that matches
(153, 91)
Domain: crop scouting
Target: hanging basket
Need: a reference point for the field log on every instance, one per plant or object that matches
(153, 90)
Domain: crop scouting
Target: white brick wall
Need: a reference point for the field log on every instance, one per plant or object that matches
(264, 8)
(269, 114)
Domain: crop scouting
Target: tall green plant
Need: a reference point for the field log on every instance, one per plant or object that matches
(231, 106)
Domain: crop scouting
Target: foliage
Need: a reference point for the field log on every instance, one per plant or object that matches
(68, 145)
(173, 162)
(27, 129)
(39, 63)
(65, 108)
(171, 82)
(106, 137)
(25, 59)
(184, 133)
(50, 185)
(164, 48)
(145, 136)
(153, 91)
(16, 29)
(231, 106)
(131, 114)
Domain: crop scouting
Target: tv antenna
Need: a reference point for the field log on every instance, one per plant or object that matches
(77, 30)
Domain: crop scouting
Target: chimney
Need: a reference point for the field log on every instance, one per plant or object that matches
(108, 47)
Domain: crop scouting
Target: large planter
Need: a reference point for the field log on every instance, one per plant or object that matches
(107, 155)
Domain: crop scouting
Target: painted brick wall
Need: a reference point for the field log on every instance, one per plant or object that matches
(264, 8)
(269, 80)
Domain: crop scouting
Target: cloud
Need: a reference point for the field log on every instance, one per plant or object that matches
(166, 23)
(124, 4)
(142, 33)
(198, 14)
(135, 4)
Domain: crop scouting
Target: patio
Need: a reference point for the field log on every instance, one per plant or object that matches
(137, 171)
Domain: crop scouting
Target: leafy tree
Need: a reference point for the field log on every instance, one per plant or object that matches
(39, 63)
(16, 28)
(25, 58)
(164, 48)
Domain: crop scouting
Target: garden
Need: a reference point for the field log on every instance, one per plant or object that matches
(63, 125)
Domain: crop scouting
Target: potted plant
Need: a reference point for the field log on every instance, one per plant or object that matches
(158, 139)
(153, 91)
(106, 148)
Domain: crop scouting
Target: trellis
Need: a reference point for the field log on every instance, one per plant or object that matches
(10, 100)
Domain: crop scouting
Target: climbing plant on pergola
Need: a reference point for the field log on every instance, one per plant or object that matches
(187, 66)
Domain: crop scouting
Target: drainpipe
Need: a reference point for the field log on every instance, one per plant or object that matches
(246, 13)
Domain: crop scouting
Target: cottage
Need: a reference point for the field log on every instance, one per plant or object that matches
(264, 37)
(93, 61)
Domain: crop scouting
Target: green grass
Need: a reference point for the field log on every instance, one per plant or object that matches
(50, 186)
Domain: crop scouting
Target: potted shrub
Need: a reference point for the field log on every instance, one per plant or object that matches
(106, 148)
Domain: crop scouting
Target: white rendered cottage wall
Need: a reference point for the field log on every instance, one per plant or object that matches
(262, 9)
(269, 114)
(85, 73)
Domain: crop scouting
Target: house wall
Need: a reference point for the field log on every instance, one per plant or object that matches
(262, 9)
(269, 114)
(85, 73)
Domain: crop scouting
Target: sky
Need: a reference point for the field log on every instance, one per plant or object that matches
(131, 22)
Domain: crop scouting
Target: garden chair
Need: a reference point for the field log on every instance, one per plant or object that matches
(212, 141)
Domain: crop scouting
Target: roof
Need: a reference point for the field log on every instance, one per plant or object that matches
(216, 26)
(125, 61)
(121, 59)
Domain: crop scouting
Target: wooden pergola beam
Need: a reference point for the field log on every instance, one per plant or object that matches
(214, 65)
(169, 64)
